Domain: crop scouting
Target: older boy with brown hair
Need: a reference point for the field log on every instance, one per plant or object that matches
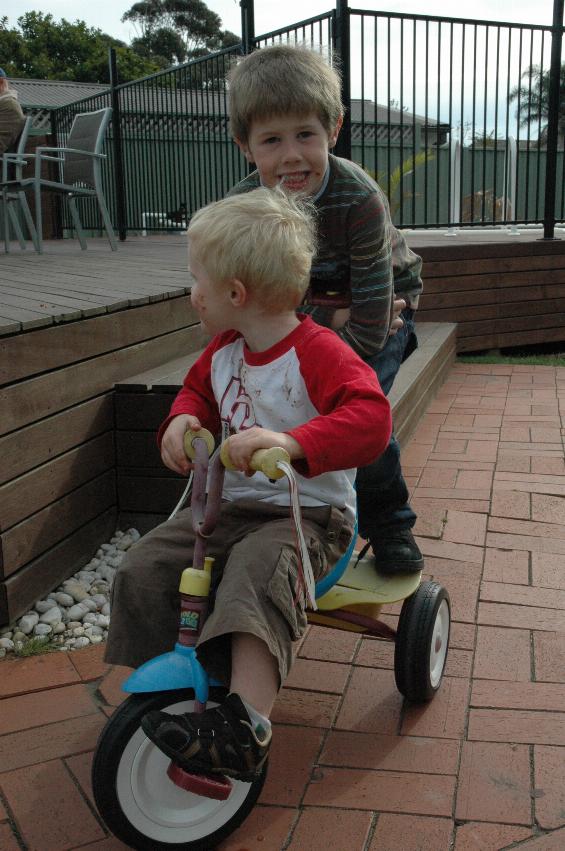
(286, 113)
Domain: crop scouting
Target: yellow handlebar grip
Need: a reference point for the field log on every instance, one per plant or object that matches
(263, 460)
(191, 435)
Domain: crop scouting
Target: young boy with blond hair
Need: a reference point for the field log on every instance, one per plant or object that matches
(269, 377)
(286, 113)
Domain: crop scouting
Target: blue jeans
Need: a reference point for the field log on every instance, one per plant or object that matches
(382, 494)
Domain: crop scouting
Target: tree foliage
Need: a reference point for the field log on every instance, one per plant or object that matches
(177, 30)
(44, 49)
(532, 96)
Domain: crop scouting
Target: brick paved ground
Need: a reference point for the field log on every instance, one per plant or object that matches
(353, 769)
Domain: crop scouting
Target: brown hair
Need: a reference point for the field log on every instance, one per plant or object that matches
(283, 79)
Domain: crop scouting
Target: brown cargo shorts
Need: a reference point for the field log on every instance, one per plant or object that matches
(254, 581)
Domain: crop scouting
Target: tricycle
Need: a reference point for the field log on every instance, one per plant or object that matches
(150, 803)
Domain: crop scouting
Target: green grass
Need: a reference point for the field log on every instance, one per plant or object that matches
(34, 647)
(531, 360)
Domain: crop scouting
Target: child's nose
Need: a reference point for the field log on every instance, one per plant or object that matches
(290, 151)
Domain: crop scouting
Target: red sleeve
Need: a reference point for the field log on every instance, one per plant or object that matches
(196, 396)
(354, 424)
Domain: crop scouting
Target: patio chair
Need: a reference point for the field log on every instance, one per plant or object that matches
(13, 163)
(80, 173)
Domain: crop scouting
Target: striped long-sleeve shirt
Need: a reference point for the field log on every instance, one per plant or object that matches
(361, 256)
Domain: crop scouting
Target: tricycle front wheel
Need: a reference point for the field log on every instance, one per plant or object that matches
(137, 800)
(422, 641)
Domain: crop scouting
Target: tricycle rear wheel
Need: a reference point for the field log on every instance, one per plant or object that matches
(422, 642)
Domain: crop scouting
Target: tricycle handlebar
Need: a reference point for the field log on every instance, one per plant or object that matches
(263, 460)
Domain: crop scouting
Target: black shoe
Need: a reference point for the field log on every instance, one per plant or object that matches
(398, 552)
(217, 741)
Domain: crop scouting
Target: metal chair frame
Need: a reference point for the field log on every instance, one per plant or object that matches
(15, 161)
(80, 173)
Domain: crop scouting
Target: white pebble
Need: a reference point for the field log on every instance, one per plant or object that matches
(82, 642)
(76, 613)
(52, 616)
(105, 610)
(78, 631)
(95, 639)
(6, 643)
(2, 652)
(43, 606)
(42, 629)
(18, 635)
(63, 599)
(76, 590)
(58, 628)
(28, 622)
(99, 599)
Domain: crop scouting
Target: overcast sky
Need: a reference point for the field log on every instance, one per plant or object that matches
(270, 15)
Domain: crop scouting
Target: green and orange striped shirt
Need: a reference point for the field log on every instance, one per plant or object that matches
(361, 256)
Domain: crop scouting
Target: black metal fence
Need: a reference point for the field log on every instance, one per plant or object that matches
(451, 117)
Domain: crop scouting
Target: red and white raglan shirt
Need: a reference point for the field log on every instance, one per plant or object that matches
(310, 385)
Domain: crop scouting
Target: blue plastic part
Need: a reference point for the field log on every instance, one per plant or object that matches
(179, 668)
(333, 577)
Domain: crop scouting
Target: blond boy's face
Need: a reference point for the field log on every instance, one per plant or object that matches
(291, 150)
(210, 299)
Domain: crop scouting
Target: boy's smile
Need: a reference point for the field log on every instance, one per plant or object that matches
(291, 150)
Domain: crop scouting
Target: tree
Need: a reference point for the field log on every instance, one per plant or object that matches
(533, 100)
(44, 49)
(178, 30)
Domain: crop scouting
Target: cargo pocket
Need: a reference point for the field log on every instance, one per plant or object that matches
(281, 590)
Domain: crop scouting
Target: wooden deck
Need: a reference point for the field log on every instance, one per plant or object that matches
(66, 284)
(73, 324)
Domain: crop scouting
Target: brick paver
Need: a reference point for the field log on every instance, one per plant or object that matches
(354, 768)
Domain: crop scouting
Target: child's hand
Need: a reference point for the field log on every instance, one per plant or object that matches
(172, 445)
(242, 445)
(398, 306)
(340, 317)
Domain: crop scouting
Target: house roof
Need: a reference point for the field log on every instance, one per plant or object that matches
(52, 93)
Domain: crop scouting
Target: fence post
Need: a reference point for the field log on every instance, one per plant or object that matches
(119, 182)
(56, 208)
(342, 47)
(247, 25)
(553, 120)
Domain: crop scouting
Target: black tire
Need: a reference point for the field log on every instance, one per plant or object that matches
(136, 799)
(422, 642)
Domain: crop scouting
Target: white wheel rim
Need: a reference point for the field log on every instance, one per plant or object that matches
(158, 808)
(440, 640)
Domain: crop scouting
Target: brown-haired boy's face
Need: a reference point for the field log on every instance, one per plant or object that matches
(291, 150)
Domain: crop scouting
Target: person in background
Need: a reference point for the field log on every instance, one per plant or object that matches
(11, 115)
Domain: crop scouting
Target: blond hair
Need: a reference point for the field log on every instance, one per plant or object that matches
(283, 80)
(264, 238)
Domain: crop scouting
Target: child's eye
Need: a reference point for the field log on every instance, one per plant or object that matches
(270, 140)
(305, 134)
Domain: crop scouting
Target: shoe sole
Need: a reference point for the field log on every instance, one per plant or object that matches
(401, 567)
(194, 767)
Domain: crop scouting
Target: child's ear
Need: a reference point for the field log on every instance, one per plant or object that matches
(243, 147)
(238, 293)
(335, 132)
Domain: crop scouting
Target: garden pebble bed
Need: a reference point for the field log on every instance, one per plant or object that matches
(75, 614)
